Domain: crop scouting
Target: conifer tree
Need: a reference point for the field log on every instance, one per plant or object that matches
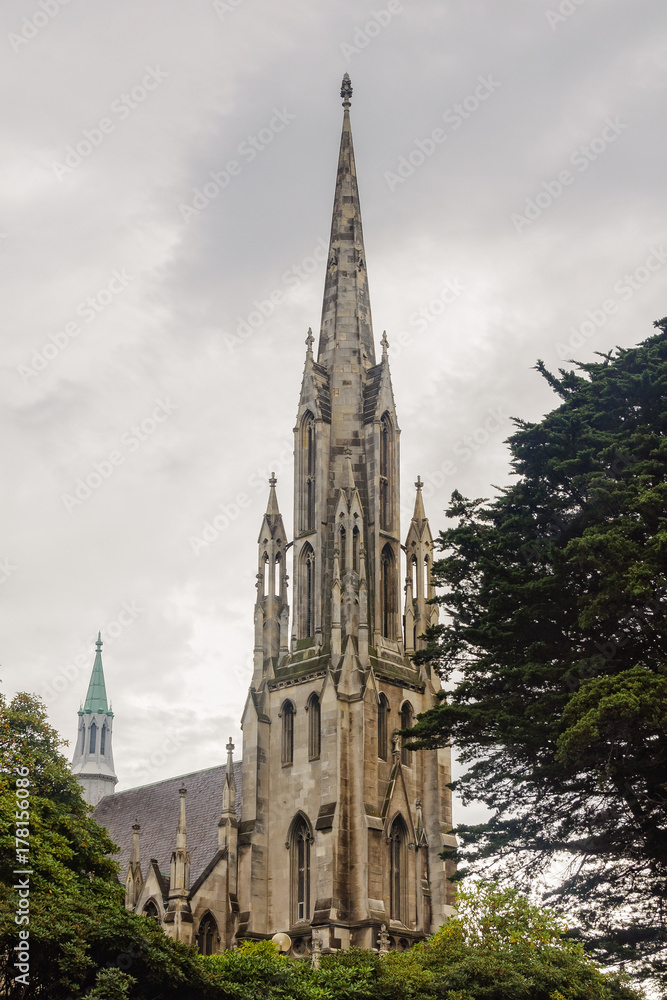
(554, 647)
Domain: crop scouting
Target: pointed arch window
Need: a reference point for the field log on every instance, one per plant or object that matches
(207, 935)
(386, 437)
(407, 721)
(383, 733)
(388, 592)
(287, 743)
(314, 727)
(299, 843)
(265, 575)
(307, 584)
(309, 467)
(103, 739)
(397, 873)
(342, 539)
(93, 737)
(151, 911)
(355, 549)
(427, 576)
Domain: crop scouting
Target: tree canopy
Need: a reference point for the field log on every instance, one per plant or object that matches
(78, 925)
(554, 650)
(85, 944)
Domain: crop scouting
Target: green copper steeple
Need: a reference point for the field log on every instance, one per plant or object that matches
(96, 699)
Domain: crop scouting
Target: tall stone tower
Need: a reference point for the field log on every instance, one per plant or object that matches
(93, 757)
(341, 828)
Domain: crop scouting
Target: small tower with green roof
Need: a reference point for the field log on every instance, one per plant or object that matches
(93, 757)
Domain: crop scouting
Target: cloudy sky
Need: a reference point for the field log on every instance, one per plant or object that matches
(167, 182)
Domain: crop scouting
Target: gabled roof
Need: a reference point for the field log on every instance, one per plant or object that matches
(156, 808)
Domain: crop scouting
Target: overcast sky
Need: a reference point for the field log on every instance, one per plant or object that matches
(167, 183)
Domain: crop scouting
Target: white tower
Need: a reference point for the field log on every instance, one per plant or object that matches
(93, 757)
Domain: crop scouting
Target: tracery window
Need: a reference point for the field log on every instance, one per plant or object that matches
(314, 727)
(93, 737)
(407, 718)
(287, 743)
(397, 874)
(308, 459)
(388, 592)
(207, 935)
(385, 472)
(151, 911)
(383, 735)
(307, 598)
(300, 842)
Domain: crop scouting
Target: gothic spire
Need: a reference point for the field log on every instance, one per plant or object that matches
(272, 504)
(346, 312)
(93, 763)
(96, 699)
(419, 512)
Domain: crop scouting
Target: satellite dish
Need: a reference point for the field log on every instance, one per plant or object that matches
(284, 941)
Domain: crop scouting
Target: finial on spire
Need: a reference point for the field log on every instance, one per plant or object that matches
(309, 340)
(273, 480)
(419, 483)
(229, 747)
(99, 643)
(384, 342)
(346, 91)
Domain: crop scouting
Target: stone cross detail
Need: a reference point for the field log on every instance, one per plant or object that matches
(383, 940)
(315, 951)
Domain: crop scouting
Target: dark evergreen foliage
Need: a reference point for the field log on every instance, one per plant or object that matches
(554, 647)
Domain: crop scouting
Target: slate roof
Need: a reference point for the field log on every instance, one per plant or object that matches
(155, 807)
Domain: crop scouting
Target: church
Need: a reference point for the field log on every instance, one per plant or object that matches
(327, 831)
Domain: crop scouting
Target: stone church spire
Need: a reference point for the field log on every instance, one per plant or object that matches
(326, 839)
(346, 311)
(93, 763)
